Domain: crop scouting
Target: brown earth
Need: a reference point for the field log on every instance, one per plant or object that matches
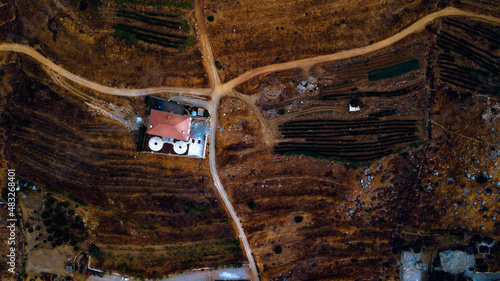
(246, 35)
(280, 90)
(55, 140)
(85, 43)
(355, 220)
(332, 221)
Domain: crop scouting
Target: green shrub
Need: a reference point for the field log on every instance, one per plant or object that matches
(192, 208)
(140, 142)
(123, 267)
(185, 25)
(219, 65)
(252, 205)
(482, 179)
(394, 70)
(355, 102)
(452, 238)
(95, 252)
(278, 250)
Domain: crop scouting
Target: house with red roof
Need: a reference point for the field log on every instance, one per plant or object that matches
(169, 125)
(175, 129)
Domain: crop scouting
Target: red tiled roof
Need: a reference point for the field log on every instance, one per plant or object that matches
(169, 125)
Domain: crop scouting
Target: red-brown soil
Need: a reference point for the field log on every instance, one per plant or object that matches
(55, 140)
(245, 35)
(355, 221)
(85, 43)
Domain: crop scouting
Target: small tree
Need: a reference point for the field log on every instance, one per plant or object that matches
(219, 65)
(252, 205)
(482, 179)
(150, 101)
(95, 252)
(355, 102)
(278, 250)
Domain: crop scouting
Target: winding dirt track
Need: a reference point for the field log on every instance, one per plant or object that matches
(307, 63)
(219, 90)
(208, 56)
(218, 184)
(94, 86)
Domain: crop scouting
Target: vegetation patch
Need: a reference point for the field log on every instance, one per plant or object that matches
(138, 260)
(252, 205)
(278, 250)
(452, 238)
(192, 208)
(393, 71)
(62, 224)
(330, 93)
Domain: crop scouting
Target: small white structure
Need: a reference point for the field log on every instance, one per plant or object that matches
(411, 266)
(155, 143)
(180, 147)
(353, 109)
(456, 262)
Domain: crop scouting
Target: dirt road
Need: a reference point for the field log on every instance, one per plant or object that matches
(221, 90)
(94, 86)
(212, 107)
(308, 63)
(206, 49)
(222, 192)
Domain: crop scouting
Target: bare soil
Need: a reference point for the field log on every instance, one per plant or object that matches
(356, 220)
(85, 42)
(245, 35)
(297, 91)
(55, 140)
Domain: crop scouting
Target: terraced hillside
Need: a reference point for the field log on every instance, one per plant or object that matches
(355, 140)
(469, 57)
(114, 43)
(165, 30)
(311, 218)
(315, 219)
(133, 199)
(385, 80)
(283, 31)
(305, 218)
